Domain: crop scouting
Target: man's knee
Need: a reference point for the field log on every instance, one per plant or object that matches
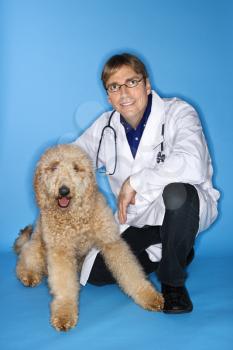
(176, 194)
(100, 274)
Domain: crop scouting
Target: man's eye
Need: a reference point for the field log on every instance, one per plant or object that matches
(113, 87)
(132, 82)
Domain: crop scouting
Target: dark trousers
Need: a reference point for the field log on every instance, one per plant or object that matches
(177, 235)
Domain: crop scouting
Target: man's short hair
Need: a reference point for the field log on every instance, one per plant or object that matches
(125, 59)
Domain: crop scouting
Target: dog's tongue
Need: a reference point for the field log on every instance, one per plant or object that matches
(63, 202)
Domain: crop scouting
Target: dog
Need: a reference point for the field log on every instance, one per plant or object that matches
(74, 218)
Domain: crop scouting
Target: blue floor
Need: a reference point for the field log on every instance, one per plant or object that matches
(110, 320)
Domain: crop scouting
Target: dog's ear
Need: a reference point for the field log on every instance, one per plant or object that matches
(38, 187)
(91, 188)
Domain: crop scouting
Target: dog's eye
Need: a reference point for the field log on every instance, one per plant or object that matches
(76, 168)
(53, 166)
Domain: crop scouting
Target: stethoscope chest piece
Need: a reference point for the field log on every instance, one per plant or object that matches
(160, 157)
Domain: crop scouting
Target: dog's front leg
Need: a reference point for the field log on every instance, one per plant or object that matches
(64, 285)
(31, 266)
(130, 275)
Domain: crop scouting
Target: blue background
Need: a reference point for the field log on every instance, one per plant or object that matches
(51, 56)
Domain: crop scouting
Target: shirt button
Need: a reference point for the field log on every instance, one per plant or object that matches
(136, 138)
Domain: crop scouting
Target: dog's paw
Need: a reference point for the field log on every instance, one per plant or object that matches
(150, 299)
(29, 278)
(63, 315)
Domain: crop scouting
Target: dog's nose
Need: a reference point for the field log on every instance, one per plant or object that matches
(64, 191)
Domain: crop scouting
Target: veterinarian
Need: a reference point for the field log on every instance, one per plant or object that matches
(155, 155)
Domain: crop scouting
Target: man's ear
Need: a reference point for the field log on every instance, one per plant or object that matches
(148, 86)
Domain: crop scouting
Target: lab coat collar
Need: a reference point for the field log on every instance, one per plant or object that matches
(152, 135)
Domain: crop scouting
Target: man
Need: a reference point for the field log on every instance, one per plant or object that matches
(159, 169)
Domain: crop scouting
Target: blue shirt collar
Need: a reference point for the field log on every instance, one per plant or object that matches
(143, 121)
(134, 135)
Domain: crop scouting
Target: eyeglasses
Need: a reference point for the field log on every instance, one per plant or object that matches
(130, 84)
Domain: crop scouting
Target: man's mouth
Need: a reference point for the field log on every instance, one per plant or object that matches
(63, 202)
(126, 104)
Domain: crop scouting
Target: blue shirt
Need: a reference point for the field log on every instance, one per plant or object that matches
(134, 135)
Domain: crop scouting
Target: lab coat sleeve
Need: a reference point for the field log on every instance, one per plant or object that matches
(89, 140)
(187, 157)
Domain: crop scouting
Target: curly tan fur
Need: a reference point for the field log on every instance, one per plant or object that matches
(63, 235)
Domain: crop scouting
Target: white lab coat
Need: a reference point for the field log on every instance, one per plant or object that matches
(187, 160)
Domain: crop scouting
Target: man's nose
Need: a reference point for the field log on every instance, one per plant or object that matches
(123, 90)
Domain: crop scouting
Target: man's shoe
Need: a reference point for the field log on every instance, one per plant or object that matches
(176, 300)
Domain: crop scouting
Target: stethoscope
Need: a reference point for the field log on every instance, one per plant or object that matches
(160, 155)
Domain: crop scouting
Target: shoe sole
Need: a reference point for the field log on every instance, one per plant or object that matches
(177, 311)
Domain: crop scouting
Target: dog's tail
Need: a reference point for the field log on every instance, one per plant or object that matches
(24, 236)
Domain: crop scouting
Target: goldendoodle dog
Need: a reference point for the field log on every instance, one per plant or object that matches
(74, 217)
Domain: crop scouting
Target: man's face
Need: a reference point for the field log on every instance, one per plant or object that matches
(129, 102)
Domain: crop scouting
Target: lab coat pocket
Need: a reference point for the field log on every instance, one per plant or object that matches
(131, 210)
(131, 214)
(156, 152)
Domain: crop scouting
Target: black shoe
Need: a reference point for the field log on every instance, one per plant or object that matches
(176, 300)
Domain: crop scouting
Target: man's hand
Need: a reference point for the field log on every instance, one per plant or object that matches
(126, 197)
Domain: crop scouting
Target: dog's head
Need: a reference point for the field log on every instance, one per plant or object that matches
(64, 178)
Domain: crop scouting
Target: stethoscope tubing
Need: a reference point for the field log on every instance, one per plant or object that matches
(160, 155)
(115, 142)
